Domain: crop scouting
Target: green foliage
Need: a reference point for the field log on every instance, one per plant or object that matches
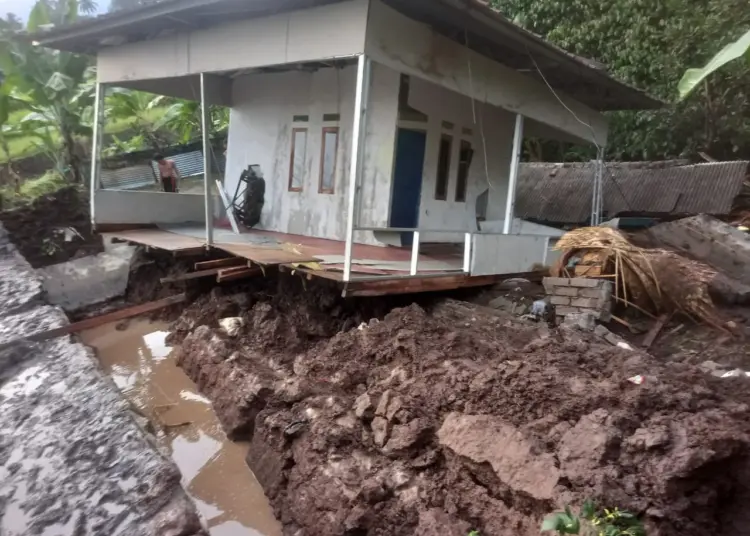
(731, 52)
(593, 522)
(649, 44)
(56, 88)
(47, 184)
(474, 533)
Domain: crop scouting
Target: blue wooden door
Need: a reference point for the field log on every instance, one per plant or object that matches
(407, 181)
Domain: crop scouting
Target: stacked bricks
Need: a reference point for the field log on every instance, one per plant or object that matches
(580, 295)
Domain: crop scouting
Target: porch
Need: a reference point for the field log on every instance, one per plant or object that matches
(375, 270)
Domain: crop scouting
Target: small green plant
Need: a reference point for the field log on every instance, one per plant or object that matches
(474, 533)
(593, 522)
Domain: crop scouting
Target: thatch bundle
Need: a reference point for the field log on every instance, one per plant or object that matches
(651, 280)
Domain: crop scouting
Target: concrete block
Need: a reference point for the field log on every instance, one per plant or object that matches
(552, 282)
(589, 303)
(585, 320)
(566, 310)
(567, 291)
(601, 331)
(584, 282)
(596, 293)
(559, 300)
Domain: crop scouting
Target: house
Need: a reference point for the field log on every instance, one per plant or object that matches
(377, 125)
(560, 195)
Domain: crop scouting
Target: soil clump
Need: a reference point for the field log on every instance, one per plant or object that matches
(446, 417)
(38, 228)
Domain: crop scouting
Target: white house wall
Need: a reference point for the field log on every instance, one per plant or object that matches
(260, 128)
(297, 36)
(493, 129)
(414, 48)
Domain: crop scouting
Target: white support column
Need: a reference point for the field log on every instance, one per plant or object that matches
(513, 181)
(467, 253)
(597, 197)
(96, 149)
(207, 153)
(414, 268)
(360, 113)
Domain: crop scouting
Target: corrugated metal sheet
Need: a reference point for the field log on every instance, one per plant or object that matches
(127, 178)
(190, 164)
(561, 193)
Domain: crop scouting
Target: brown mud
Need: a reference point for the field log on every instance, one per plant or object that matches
(449, 417)
(38, 228)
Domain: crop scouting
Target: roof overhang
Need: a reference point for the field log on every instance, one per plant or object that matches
(469, 22)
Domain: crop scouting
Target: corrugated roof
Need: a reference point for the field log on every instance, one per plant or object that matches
(561, 193)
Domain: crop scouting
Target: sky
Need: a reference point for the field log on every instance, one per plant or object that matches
(23, 7)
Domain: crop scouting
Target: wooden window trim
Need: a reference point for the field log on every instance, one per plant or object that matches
(321, 189)
(291, 162)
(450, 139)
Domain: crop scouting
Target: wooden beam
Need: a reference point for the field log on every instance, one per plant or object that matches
(238, 274)
(655, 330)
(114, 316)
(189, 275)
(189, 252)
(220, 263)
(415, 285)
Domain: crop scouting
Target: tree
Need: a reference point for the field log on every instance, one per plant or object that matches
(55, 87)
(183, 117)
(649, 43)
(134, 107)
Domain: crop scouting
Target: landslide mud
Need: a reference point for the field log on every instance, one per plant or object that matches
(447, 418)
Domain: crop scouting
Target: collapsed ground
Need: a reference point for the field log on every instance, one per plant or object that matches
(447, 417)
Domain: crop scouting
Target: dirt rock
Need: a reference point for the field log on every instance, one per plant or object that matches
(479, 420)
(486, 439)
(38, 228)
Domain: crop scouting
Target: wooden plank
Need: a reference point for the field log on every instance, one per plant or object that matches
(114, 316)
(190, 275)
(220, 263)
(265, 255)
(419, 284)
(189, 252)
(655, 330)
(239, 274)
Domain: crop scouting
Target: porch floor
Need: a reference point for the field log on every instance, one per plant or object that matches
(375, 270)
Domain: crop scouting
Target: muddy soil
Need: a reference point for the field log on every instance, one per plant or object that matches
(38, 229)
(447, 417)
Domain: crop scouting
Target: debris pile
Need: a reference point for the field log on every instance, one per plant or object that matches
(652, 280)
(453, 417)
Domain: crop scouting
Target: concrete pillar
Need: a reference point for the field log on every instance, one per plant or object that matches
(361, 98)
(96, 149)
(207, 153)
(515, 161)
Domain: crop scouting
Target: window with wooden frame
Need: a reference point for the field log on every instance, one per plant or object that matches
(465, 156)
(329, 148)
(443, 167)
(297, 160)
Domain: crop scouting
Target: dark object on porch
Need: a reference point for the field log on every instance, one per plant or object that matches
(249, 196)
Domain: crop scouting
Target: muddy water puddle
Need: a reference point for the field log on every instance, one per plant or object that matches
(214, 472)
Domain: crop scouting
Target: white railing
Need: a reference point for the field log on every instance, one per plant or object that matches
(416, 236)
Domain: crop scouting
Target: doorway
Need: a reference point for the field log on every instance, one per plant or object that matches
(407, 181)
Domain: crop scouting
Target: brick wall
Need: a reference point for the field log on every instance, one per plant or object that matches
(580, 294)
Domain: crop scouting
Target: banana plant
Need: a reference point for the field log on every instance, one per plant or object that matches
(733, 51)
(50, 83)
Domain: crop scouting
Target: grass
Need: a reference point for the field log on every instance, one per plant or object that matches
(29, 190)
(26, 145)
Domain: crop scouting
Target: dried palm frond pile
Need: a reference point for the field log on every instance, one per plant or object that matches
(652, 280)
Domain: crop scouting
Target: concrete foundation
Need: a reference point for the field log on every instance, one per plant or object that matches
(88, 280)
(72, 458)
